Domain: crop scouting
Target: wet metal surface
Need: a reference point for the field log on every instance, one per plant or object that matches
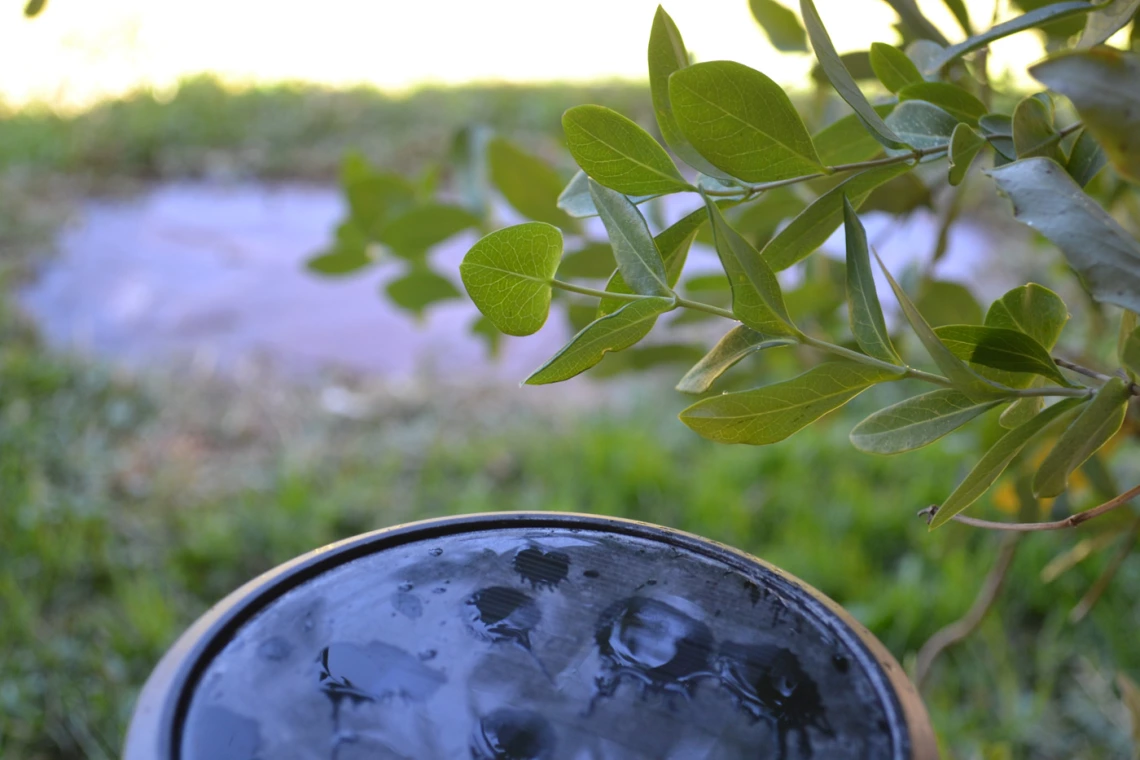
(544, 643)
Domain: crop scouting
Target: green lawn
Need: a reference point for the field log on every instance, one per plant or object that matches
(129, 505)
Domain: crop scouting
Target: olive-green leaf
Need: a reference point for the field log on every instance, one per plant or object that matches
(736, 344)
(617, 153)
(949, 97)
(965, 379)
(781, 25)
(1086, 159)
(1030, 20)
(1034, 310)
(507, 274)
(917, 23)
(999, 127)
(1130, 352)
(411, 233)
(921, 124)
(372, 196)
(1107, 21)
(999, 348)
(1101, 83)
(613, 332)
(993, 463)
(1033, 131)
(667, 54)
(847, 141)
(742, 122)
(774, 412)
(965, 143)
(528, 183)
(593, 261)
(944, 302)
(863, 308)
(576, 201)
(892, 67)
(813, 226)
(673, 242)
(841, 79)
(1046, 198)
(917, 421)
(350, 253)
(420, 288)
(636, 253)
(756, 297)
(34, 8)
(1094, 427)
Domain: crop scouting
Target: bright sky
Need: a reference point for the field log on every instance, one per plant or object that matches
(80, 50)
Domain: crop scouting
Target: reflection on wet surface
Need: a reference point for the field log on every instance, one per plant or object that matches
(517, 661)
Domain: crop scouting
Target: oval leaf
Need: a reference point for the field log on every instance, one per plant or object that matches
(1096, 425)
(636, 254)
(736, 344)
(847, 141)
(419, 289)
(813, 226)
(892, 67)
(922, 125)
(917, 421)
(617, 153)
(993, 463)
(781, 26)
(1101, 84)
(1034, 310)
(841, 79)
(1046, 198)
(965, 143)
(950, 98)
(528, 183)
(742, 122)
(613, 332)
(1086, 159)
(507, 274)
(772, 413)
(409, 235)
(1033, 131)
(863, 308)
(1000, 348)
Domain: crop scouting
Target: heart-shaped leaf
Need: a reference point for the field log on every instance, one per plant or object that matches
(617, 153)
(508, 273)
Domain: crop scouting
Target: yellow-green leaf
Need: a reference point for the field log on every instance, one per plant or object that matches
(1096, 425)
(949, 97)
(636, 254)
(965, 143)
(736, 344)
(1130, 352)
(774, 412)
(508, 273)
(420, 288)
(411, 233)
(781, 26)
(892, 67)
(863, 308)
(528, 183)
(917, 421)
(1000, 348)
(617, 153)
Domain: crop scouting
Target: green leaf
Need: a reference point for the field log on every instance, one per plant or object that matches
(673, 243)
(857, 63)
(760, 219)
(1020, 411)
(965, 379)
(528, 183)
(899, 196)
(756, 297)
(507, 274)
(350, 253)
(841, 79)
(847, 141)
(917, 23)
(1046, 198)
(419, 289)
(1000, 348)
(617, 153)
(1033, 131)
(1028, 20)
(736, 344)
(892, 67)
(1101, 83)
(1096, 425)
(1002, 126)
(1107, 21)
(742, 122)
(613, 332)
(667, 54)
(774, 412)
(781, 26)
(485, 329)
(1034, 310)
(921, 124)
(1130, 352)
(993, 463)
(1086, 159)
(813, 226)
(964, 146)
(863, 308)
(949, 97)
(409, 235)
(917, 421)
(593, 261)
(373, 197)
(576, 201)
(947, 303)
(961, 14)
(636, 254)
(34, 8)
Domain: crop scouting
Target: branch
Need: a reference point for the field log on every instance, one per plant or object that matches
(965, 625)
(1092, 596)
(1133, 388)
(1071, 521)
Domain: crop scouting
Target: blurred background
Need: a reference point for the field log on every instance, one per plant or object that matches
(189, 396)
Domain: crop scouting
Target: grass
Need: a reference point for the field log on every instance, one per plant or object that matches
(128, 505)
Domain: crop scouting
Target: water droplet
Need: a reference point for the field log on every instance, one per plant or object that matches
(375, 672)
(408, 605)
(503, 614)
(436, 552)
(275, 649)
(542, 569)
(439, 590)
(406, 586)
(513, 735)
(591, 574)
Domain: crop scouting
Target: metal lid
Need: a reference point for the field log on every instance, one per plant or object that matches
(528, 636)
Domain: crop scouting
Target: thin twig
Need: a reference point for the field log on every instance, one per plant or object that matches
(965, 625)
(1093, 595)
(1133, 388)
(1069, 522)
